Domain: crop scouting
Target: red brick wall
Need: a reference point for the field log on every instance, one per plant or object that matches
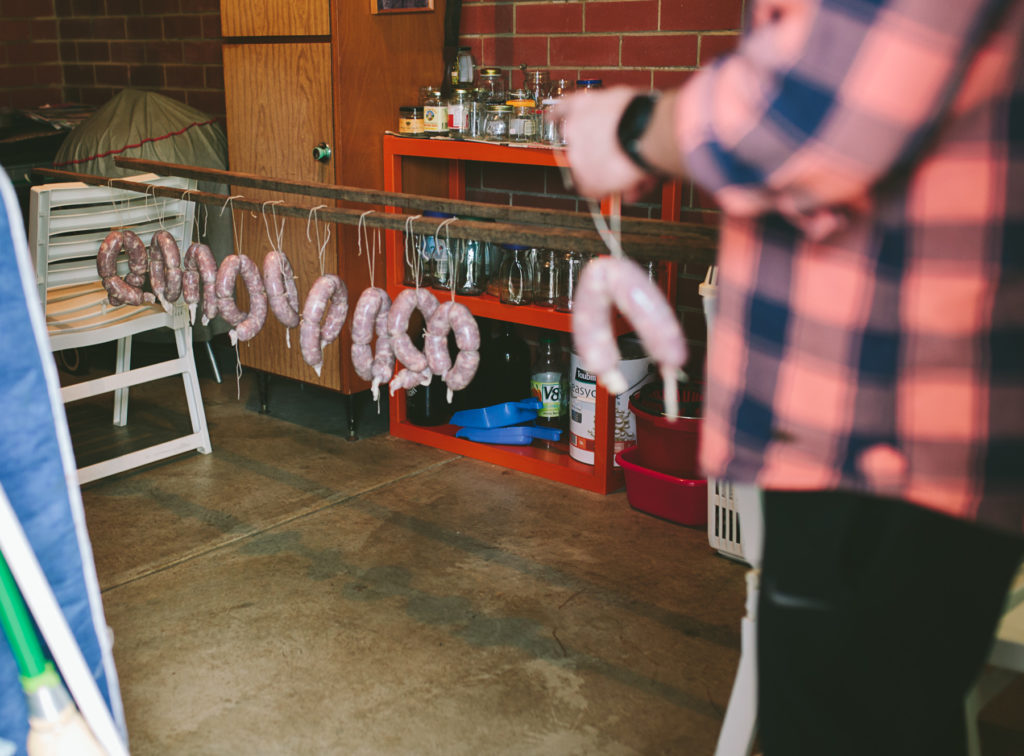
(54, 51)
(652, 44)
(168, 46)
(30, 70)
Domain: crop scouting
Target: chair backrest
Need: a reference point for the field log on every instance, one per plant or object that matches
(67, 222)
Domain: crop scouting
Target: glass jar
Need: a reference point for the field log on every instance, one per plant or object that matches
(585, 84)
(427, 93)
(562, 87)
(492, 84)
(570, 265)
(515, 277)
(522, 126)
(550, 124)
(435, 114)
(417, 263)
(458, 111)
(410, 120)
(476, 112)
(537, 83)
(435, 254)
(545, 276)
(496, 123)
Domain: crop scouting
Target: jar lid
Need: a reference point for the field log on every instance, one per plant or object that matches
(520, 103)
(490, 72)
(588, 82)
(499, 108)
(461, 91)
(410, 110)
(436, 214)
(464, 47)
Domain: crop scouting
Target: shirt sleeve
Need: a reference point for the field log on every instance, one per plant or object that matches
(824, 98)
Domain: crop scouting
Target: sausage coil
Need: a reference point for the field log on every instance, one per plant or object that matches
(327, 299)
(398, 326)
(371, 316)
(120, 291)
(455, 317)
(246, 324)
(165, 268)
(281, 292)
(620, 282)
(200, 265)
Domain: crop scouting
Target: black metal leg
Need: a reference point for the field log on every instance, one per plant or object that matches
(353, 416)
(263, 389)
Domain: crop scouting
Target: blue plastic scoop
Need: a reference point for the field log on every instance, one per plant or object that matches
(515, 435)
(498, 415)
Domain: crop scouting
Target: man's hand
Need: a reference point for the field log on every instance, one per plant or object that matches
(599, 166)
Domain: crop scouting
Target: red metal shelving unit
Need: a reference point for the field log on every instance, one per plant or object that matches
(554, 464)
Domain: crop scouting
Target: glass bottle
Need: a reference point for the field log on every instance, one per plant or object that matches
(516, 276)
(537, 83)
(508, 366)
(466, 68)
(545, 272)
(522, 126)
(550, 125)
(569, 268)
(470, 275)
(435, 251)
(548, 382)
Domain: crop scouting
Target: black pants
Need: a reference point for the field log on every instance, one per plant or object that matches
(875, 618)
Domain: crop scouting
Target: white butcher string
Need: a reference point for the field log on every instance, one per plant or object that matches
(452, 258)
(363, 239)
(321, 242)
(413, 256)
(278, 230)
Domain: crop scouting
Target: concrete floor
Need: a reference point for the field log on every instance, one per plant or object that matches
(295, 593)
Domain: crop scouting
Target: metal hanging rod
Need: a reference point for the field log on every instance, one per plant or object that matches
(532, 216)
(641, 246)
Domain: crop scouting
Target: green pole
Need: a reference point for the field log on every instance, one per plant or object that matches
(19, 628)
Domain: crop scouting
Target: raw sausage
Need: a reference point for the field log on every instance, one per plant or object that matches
(371, 316)
(118, 290)
(618, 281)
(138, 259)
(281, 292)
(165, 268)
(246, 324)
(328, 293)
(398, 326)
(407, 379)
(452, 316)
(200, 264)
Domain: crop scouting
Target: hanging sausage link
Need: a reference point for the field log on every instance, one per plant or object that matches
(246, 324)
(328, 293)
(200, 265)
(371, 316)
(452, 316)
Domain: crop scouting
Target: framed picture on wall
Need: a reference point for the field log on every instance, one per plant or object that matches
(401, 6)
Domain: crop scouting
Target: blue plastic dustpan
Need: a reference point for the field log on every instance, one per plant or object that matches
(498, 415)
(516, 435)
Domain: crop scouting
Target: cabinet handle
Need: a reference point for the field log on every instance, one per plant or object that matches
(322, 152)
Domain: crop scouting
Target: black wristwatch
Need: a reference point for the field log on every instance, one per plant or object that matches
(632, 126)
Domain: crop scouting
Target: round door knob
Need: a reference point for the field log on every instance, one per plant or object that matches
(322, 152)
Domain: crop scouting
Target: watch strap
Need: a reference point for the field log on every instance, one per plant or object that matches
(632, 125)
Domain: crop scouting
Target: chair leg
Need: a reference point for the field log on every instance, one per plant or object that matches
(183, 340)
(122, 364)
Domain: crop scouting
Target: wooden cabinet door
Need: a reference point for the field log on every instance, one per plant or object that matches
(275, 18)
(278, 108)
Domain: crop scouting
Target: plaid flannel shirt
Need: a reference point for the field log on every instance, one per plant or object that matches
(869, 159)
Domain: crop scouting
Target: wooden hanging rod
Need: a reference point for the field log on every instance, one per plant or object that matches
(531, 216)
(641, 246)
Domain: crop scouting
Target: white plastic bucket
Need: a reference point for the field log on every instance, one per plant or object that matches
(636, 367)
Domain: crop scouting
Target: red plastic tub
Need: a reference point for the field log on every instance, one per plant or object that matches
(682, 500)
(669, 447)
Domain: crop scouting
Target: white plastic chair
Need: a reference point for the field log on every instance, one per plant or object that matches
(67, 222)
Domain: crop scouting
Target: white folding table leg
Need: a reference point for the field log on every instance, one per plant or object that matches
(122, 364)
(196, 412)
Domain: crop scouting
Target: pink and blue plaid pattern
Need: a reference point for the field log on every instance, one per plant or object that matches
(869, 157)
